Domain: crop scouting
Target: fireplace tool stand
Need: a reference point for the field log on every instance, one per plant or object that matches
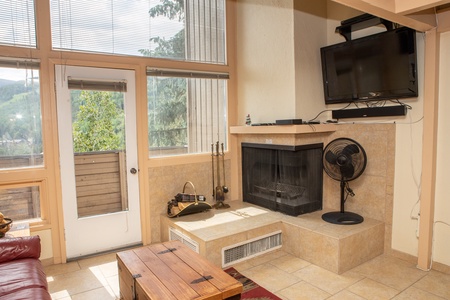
(220, 190)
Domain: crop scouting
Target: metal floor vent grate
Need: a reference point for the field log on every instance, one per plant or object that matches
(251, 248)
(176, 235)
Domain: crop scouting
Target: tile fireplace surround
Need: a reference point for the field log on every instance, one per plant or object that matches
(337, 248)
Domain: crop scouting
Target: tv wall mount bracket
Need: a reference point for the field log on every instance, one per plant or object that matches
(361, 22)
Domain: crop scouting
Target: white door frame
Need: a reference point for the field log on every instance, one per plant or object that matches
(89, 235)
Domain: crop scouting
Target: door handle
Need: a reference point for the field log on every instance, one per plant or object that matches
(133, 171)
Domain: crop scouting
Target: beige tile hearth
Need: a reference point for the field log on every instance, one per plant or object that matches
(336, 248)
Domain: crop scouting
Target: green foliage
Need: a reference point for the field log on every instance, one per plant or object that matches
(8, 91)
(172, 9)
(167, 97)
(98, 124)
(20, 120)
(172, 48)
(167, 112)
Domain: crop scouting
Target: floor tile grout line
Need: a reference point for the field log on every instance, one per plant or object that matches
(272, 262)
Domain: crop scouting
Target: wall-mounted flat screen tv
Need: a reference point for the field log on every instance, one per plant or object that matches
(376, 67)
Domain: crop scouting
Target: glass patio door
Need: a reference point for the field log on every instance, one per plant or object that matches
(98, 158)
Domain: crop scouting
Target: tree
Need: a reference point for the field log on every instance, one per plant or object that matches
(20, 119)
(167, 112)
(174, 47)
(172, 9)
(167, 97)
(95, 125)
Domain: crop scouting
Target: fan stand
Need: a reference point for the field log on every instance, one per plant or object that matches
(342, 217)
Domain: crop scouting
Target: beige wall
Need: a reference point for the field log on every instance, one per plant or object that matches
(309, 102)
(441, 251)
(265, 60)
(310, 33)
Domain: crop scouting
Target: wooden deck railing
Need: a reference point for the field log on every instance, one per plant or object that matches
(100, 179)
(100, 182)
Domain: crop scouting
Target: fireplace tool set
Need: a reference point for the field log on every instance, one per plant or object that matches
(187, 203)
(218, 163)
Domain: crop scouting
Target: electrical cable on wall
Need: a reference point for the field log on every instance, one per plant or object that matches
(417, 182)
(323, 111)
(432, 244)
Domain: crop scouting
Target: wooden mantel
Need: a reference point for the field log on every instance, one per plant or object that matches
(283, 129)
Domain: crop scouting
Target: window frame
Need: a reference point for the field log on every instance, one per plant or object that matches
(44, 209)
(217, 104)
(48, 176)
(26, 64)
(200, 23)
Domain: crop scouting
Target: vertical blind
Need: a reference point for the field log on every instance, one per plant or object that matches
(204, 110)
(205, 31)
(17, 23)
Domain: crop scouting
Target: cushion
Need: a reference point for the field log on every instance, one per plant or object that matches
(19, 247)
(22, 274)
(28, 294)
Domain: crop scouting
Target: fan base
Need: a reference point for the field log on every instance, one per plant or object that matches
(342, 218)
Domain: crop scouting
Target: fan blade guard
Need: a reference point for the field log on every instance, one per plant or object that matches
(344, 159)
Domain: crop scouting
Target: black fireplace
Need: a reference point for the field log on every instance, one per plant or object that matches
(283, 178)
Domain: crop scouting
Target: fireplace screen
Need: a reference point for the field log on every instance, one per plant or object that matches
(283, 178)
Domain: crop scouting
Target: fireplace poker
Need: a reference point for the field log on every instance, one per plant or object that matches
(219, 192)
(224, 187)
(212, 168)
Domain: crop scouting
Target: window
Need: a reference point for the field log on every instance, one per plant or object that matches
(191, 30)
(187, 111)
(20, 115)
(21, 202)
(17, 23)
(98, 132)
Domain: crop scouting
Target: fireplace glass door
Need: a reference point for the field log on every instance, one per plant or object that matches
(283, 178)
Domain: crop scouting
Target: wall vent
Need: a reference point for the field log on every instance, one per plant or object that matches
(176, 235)
(250, 248)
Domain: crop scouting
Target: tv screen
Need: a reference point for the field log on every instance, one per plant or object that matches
(377, 67)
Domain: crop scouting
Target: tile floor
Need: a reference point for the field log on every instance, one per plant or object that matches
(285, 275)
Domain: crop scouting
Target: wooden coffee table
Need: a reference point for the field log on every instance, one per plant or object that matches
(171, 270)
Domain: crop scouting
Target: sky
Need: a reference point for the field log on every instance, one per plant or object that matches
(113, 26)
(103, 26)
(15, 74)
(119, 26)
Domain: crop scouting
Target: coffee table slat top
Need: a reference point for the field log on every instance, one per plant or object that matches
(171, 270)
(136, 268)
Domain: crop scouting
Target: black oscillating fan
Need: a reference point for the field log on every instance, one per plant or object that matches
(344, 160)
